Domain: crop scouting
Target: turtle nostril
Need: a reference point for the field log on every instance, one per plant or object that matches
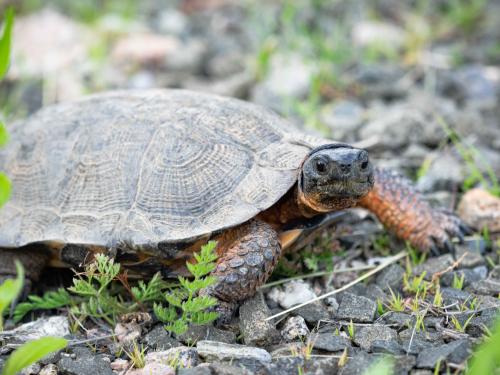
(345, 168)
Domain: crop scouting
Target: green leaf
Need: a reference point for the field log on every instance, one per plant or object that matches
(198, 304)
(165, 314)
(4, 136)
(178, 327)
(50, 300)
(32, 352)
(9, 290)
(486, 358)
(5, 189)
(5, 41)
(204, 317)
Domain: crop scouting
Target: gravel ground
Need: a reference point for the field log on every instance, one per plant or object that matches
(396, 83)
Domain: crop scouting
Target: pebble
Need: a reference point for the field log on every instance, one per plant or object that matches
(330, 342)
(219, 351)
(84, 362)
(480, 209)
(295, 328)
(455, 352)
(356, 308)
(253, 326)
(364, 336)
(293, 293)
(159, 339)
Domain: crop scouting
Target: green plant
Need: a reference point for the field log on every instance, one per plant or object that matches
(416, 256)
(396, 303)
(464, 15)
(485, 359)
(185, 306)
(458, 281)
(32, 352)
(459, 326)
(137, 355)
(438, 298)
(9, 290)
(351, 329)
(416, 284)
(5, 47)
(50, 300)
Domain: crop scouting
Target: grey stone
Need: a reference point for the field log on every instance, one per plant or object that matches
(295, 327)
(358, 364)
(330, 342)
(218, 351)
(470, 276)
(313, 312)
(486, 319)
(185, 356)
(57, 326)
(356, 308)
(445, 172)
(84, 362)
(159, 339)
(386, 347)
(226, 369)
(321, 366)
(391, 278)
(49, 369)
(489, 286)
(455, 352)
(285, 365)
(470, 254)
(196, 333)
(452, 295)
(199, 370)
(399, 319)
(365, 336)
(253, 326)
(378, 81)
(433, 265)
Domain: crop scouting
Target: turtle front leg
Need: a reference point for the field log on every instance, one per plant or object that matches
(247, 256)
(406, 213)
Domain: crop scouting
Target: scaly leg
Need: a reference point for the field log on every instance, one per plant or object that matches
(247, 257)
(406, 213)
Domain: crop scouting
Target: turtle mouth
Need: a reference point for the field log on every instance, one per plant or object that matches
(349, 188)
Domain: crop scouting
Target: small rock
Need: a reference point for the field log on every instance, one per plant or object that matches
(399, 319)
(84, 362)
(159, 339)
(386, 347)
(356, 308)
(32, 369)
(206, 332)
(285, 365)
(489, 286)
(313, 312)
(480, 209)
(452, 295)
(445, 172)
(153, 368)
(358, 363)
(295, 327)
(330, 342)
(120, 365)
(365, 336)
(469, 276)
(391, 278)
(200, 370)
(294, 293)
(433, 265)
(218, 351)
(253, 326)
(226, 369)
(127, 333)
(455, 352)
(49, 369)
(183, 355)
(57, 326)
(321, 366)
(332, 303)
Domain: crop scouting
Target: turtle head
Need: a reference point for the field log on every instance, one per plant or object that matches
(334, 177)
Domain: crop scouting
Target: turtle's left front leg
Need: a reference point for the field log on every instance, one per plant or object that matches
(406, 213)
(247, 256)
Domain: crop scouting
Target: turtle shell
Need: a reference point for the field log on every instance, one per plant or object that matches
(145, 167)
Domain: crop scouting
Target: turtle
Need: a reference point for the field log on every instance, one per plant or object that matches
(149, 176)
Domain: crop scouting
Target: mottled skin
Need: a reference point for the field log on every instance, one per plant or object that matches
(149, 176)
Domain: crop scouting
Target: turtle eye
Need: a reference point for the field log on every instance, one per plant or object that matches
(321, 165)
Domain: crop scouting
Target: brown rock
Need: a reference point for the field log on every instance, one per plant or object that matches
(480, 209)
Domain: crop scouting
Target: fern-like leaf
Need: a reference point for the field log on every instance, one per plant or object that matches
(50, 300)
